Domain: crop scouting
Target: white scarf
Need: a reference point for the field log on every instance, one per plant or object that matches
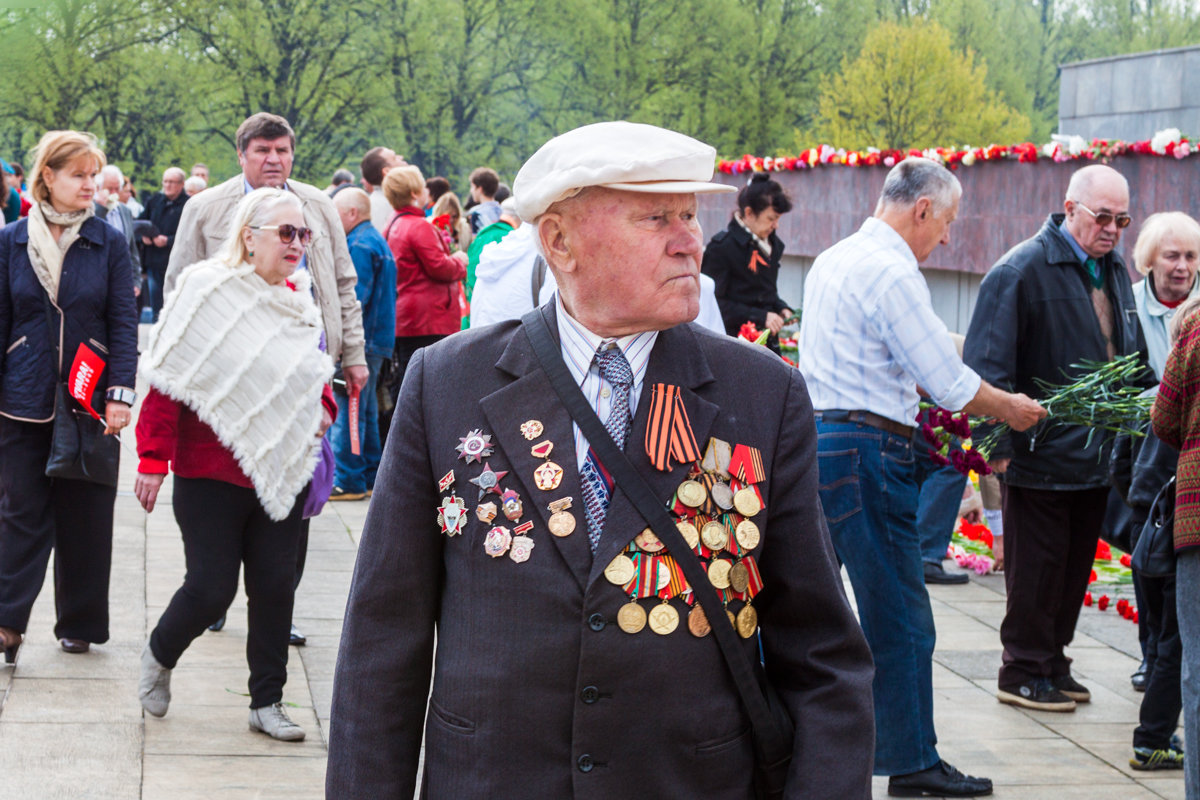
(245, 357)
(45, 254)
(762, 243)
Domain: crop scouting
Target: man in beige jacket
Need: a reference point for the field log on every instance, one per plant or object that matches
(265, 144)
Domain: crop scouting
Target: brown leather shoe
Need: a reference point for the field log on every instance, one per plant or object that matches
(74, 645)
(10, 640)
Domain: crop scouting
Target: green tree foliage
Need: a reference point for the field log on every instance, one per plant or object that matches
(909, 88)
(453, 84)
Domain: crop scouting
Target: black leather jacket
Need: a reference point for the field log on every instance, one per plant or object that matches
(1034, 319)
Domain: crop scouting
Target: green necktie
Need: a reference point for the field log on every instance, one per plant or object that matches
(1093, 268)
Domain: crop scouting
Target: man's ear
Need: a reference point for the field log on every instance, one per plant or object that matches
(556, 243)
(922, 209)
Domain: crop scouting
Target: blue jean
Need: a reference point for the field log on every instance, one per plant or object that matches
(941, 490)
(357, 473)
(869, 494)
(1187, 597)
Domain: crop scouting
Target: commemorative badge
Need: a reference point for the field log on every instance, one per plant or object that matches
(663, 618)
(631, 617)
(648, 542)
(475, 446)
(562, 522)
(488, 480)
(452, 515)
(549, 475)
(522, 545)
(532, 429)
(497, 541)
(510, 501)
(486, 512)
(446, 482)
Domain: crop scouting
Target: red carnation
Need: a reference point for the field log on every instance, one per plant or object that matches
(1126, 560)
(1102, 603)
(1103, 551)
(1092, 579)
(1087, 598)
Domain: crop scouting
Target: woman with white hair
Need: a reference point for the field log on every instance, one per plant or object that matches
(237, 406)
(1168, 254)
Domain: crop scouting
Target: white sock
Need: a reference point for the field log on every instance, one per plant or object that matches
(995, 521)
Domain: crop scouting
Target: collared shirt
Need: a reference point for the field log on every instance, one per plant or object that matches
(579, 346)
(1079, 252)
(381, 210)
(869, 335)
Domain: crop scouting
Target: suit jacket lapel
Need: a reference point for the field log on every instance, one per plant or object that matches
(532, 397)
(677, 359)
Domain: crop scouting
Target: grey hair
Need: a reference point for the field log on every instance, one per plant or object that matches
(914, 178)
(112, 171)
(195, 184)
(1083, 182)
(169, 170)
(253, 209)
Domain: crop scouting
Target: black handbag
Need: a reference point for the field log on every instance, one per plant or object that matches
(1154, 551)
(79, 450)
(772, 727)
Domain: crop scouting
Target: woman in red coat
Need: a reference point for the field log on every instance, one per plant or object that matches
(427, 275)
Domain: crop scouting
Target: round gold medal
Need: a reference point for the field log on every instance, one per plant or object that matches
(718, 573)
(646, 540)
(631, 618)
(664, 619)
(747, 535)
(691, 494)
(662, 578)
(732, 618)
(548, 476)
(747, 621)
(739, 577)
(746, 502)
(722, 495)
(689, 533)
(714, 536)
(698, 623)
(620, 571)
(561, 523)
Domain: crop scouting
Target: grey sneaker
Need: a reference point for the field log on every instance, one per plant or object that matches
(274, 722)
(154, 687)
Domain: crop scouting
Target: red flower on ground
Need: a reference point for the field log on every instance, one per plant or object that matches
(1126, 560)
(1087, 599)
(1092, 579)
(1103, 551)
(1102, 603)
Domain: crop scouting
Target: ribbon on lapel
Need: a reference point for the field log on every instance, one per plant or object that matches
(668, 430)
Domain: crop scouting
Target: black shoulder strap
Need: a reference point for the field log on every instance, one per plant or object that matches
(774, 743)
(538, 278)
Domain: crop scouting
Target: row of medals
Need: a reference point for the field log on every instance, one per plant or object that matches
(731, 533)
(716, 535)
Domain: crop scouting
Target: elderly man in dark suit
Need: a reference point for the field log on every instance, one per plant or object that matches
(571, 659)
(108, 207)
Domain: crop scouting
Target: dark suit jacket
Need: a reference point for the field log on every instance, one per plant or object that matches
(536, 691)
(741, 294)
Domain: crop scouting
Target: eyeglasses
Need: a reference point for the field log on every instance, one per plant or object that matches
(1104, 218)
(287, 232)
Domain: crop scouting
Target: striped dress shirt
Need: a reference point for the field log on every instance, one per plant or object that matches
(869, 335)
(579, 346)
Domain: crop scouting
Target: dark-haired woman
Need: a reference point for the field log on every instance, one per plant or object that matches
(743, 260)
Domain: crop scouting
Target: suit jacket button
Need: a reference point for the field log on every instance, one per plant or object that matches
(585, 763)
(596, 622)
(590, 694)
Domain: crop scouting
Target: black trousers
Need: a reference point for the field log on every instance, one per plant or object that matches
(1049, 546)
(1162, 702)
(38, 514)
(224, 527)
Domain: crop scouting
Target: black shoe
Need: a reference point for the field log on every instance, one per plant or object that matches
(297, 639)
(1072, 688)
(934, 573)
(1038, 694)
(1140, 677)
(940, 780)
(218, 625)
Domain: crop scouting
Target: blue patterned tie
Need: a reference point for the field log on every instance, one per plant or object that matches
(596, 482)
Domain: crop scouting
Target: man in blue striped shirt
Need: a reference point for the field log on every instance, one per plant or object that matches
(869, 337)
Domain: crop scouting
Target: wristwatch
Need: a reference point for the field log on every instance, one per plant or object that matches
(121, 395)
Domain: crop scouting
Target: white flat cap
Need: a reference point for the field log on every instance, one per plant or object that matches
(618, 155)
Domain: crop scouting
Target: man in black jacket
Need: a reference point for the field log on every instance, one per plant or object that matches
(1051, 302)
(163, 210)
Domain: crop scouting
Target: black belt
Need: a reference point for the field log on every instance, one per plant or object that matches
(867, 418)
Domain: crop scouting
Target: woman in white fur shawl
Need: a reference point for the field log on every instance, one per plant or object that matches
(237, 406)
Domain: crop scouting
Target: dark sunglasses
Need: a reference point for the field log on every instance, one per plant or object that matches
(287, 232)
(1104, 218)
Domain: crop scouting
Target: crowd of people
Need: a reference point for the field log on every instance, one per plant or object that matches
(382, 339)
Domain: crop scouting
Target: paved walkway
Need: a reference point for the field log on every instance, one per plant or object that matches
(71, 725)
